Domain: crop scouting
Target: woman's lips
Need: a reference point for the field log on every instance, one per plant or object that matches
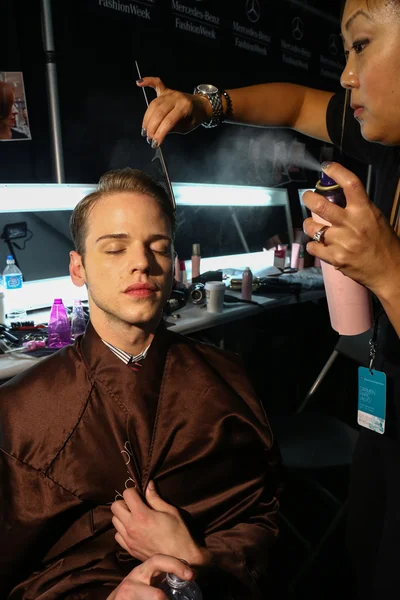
(358, 112)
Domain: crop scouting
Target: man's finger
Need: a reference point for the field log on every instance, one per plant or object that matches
(120, 527)
(156, 502)
(134, 500)
(120, 540)
(352, 186)
(157, 564)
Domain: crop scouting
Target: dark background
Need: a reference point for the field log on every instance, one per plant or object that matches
(102, 108)
(101, 115)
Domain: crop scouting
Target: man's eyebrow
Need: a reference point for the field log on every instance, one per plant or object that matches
(359, 12)
(159, 236)
(113, 236)
(126, 236)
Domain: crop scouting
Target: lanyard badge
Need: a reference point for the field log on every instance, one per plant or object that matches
(372, 391)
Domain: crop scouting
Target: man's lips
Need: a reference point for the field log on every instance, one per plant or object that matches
(141, 290)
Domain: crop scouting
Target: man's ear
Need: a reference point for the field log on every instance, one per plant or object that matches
(76, 269)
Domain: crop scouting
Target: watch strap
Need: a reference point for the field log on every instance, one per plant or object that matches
(216, 105)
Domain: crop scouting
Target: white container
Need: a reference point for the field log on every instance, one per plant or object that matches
(2, 308)
(215, 292)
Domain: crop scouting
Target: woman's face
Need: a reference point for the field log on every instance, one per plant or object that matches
(371, 35)
(11, 119)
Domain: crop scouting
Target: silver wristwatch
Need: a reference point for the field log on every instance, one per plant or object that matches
(213, 95)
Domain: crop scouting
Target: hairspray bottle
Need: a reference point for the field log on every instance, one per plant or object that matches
(349, 303)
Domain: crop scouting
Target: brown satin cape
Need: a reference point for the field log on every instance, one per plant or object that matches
(80, 426)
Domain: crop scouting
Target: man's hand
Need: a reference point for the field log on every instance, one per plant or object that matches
(144, 531)
(138, 585)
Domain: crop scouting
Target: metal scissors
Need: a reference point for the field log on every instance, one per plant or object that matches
(158, 155)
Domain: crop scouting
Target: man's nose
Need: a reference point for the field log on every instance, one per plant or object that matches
(140, 259)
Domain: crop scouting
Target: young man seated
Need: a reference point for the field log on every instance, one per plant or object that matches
(134, 447)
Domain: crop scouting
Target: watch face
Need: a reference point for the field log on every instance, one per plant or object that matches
(207, 88)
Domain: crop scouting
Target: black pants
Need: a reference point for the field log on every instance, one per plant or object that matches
(374, 516)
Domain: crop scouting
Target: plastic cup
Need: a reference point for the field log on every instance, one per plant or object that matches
(215, 292)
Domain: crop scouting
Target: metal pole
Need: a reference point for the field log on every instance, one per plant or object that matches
(52, 91)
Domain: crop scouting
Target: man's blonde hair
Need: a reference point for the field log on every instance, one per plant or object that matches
(114, 182)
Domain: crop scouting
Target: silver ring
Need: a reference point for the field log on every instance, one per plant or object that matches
(319, 235)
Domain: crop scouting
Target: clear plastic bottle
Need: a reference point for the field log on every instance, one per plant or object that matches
(59, 329)
(179, 589)
(247, 284)
(78, 321)
(12, 281)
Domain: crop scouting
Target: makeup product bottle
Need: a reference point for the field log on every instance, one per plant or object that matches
(183, 272)
(195, 261)
(247, 284)
(349, 303)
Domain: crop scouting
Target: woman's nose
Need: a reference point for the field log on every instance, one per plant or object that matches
(349, 79)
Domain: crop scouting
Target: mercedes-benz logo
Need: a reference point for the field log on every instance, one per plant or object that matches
(297, 29)
(333, 44)
(253, 10)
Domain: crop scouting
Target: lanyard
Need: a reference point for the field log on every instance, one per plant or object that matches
(373, 341)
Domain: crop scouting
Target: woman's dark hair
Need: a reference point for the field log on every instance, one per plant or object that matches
(6, 99)
(371, 3)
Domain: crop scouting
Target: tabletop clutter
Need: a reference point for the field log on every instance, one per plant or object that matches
(207, 290)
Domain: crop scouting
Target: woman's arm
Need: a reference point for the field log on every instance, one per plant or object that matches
(265, 105)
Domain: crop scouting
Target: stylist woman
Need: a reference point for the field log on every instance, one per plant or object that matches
(362, 241)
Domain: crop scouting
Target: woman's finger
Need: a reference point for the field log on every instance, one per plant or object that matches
(353, 187)
(153, 82)
(324, 209)
(311, 227)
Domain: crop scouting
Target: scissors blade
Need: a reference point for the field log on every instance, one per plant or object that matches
(158, 155)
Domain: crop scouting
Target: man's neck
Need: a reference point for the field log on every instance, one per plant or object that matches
(132, 339)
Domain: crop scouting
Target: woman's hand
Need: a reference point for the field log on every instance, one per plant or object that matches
(171, 111)
(138, 585)
(360, 241)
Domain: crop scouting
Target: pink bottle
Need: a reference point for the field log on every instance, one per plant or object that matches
(349, 303)
(195, 260)
(247, 284)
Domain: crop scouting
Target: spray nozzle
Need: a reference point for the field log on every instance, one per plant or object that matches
(327, 181)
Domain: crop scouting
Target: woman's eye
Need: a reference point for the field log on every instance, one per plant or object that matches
(359, 46)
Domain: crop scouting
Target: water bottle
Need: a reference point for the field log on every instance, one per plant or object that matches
(59, 330)
(247, 284)
(78, 322)
(179, 589)
(12, 281)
